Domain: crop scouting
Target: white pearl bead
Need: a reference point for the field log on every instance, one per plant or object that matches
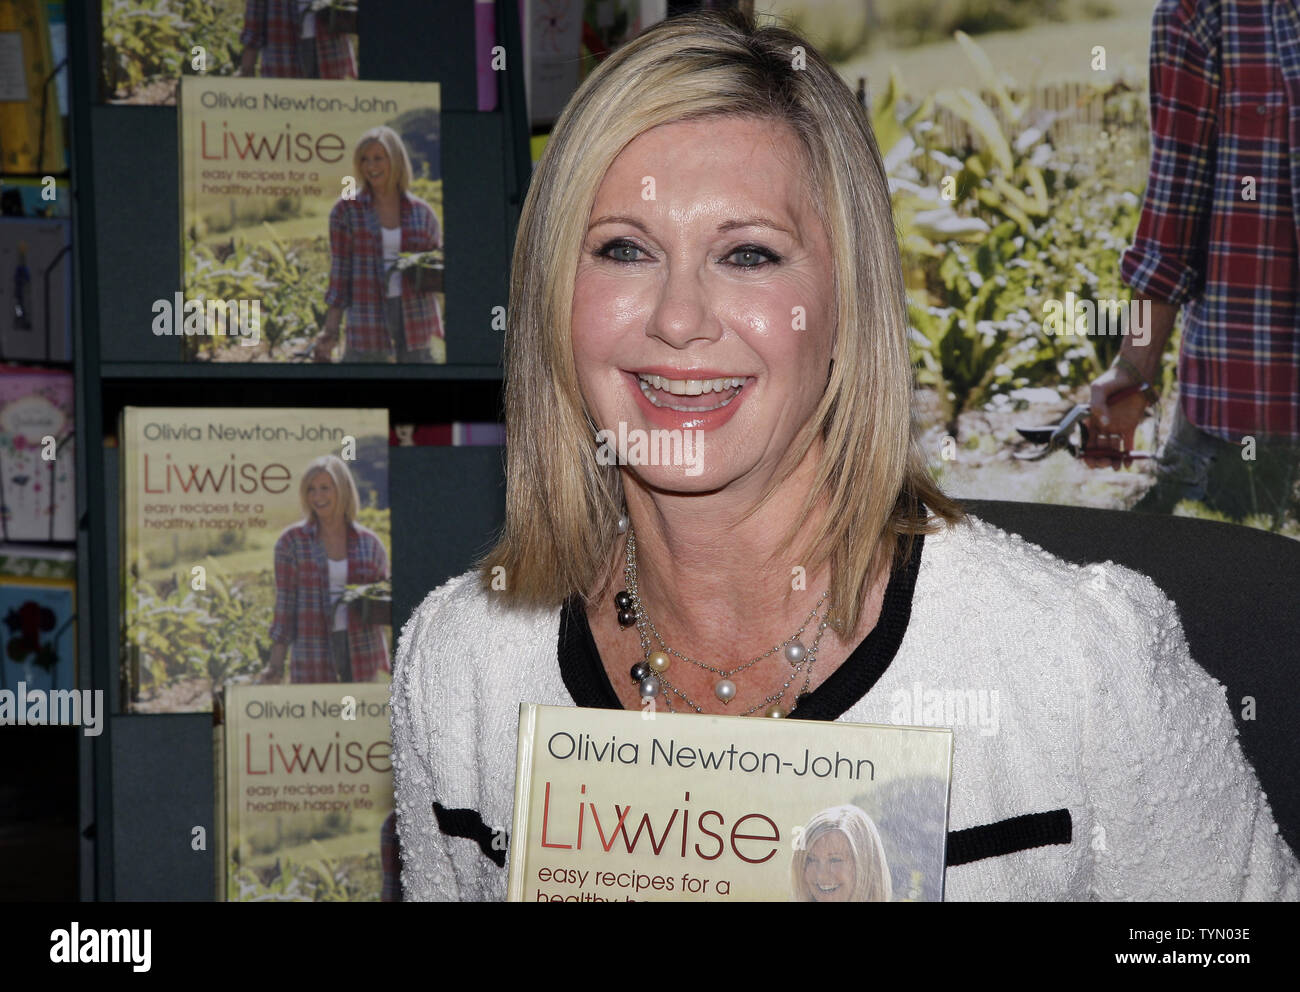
(622, 524)
(795, 652)
(725, 690)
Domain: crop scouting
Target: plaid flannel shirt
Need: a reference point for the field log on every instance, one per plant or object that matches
(1220, 225)
(303, 611)
(272, 27)
(358, 282)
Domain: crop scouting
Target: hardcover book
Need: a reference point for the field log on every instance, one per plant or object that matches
(304, 792)
(614, 805)
(564, 40)
(38, 605)
(31, 132)
(37, 455)
(36, 288)
(255, 549)
(311, 222)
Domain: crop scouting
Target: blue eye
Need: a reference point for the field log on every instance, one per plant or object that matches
(757, 257)
(621, 244)
(763, 255)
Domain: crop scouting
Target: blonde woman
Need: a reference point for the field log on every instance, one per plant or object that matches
(388, 318)
(315, 560)
(839, 857)
(707, 246)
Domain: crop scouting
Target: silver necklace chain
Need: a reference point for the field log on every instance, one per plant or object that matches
(645, 628)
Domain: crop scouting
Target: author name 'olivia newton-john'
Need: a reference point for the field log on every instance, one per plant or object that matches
(306, 103)
(241, 432)
(583, 747)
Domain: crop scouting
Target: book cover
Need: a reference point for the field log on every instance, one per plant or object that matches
(31, 132)
(304, 792)
(564, 40)
(148, 45)
(552, 64)
(35, 289)
(256, 548)
(614, 805)
(38, 607)
(37, 455)
(311, 222)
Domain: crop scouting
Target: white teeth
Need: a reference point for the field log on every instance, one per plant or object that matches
(650, 387)
(693, 387)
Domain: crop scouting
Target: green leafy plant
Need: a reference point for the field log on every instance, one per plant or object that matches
(148, 41)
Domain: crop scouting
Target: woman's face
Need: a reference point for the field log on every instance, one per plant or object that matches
(375, 166)
(704, 297)
(323, 496)
(828, 871)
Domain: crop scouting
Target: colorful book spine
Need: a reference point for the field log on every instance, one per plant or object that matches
(456, 434)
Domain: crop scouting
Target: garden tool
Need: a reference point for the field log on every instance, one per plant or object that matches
(1056, 437)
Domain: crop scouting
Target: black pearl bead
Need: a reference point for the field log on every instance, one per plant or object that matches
(640, 671)
(626, 618)
(622, 600)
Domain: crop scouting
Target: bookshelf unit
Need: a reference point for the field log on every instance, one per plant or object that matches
(147, 780)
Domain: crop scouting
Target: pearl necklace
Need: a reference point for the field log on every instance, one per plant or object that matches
(650, 672)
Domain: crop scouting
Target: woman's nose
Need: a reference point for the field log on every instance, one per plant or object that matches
(684, 312)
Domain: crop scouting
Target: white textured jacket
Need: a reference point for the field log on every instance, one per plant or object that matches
(1093, 759)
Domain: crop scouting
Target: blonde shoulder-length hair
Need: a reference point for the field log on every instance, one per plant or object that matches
(562, 507)
(399, 162)
(871, 881)
(344, 485)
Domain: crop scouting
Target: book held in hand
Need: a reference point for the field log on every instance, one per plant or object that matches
(614, 805)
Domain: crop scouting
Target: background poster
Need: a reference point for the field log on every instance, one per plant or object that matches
(1015, 137)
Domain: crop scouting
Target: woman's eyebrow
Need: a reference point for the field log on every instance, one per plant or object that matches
(727, 225)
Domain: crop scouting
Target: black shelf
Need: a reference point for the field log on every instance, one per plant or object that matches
(147, 780)
(325, 373)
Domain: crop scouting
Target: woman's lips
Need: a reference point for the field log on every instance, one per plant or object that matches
(702, 411)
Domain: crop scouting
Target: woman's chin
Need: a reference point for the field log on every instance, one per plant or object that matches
(679, 479)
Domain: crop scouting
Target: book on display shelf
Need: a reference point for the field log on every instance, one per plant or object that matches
(311, 222)
(304, 794)
(256, 549)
